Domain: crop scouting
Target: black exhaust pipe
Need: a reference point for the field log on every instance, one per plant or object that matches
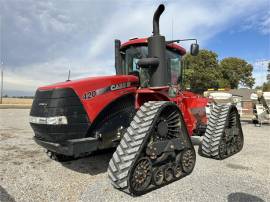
(157, 14)
(157, 49)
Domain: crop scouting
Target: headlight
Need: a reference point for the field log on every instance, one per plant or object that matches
(55, 120)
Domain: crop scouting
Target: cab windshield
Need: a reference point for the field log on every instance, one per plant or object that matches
(134, 53)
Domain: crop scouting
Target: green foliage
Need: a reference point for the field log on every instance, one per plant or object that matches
(201, 71)
(266, 86)
(268, 70)
(237, 71)
(204, 71)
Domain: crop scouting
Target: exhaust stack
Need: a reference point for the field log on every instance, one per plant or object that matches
(157, 14)
(157, 49)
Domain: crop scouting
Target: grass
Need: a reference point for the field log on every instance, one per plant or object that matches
(17, 101)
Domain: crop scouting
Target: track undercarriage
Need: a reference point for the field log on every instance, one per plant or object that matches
(156, 149)
(224, 135)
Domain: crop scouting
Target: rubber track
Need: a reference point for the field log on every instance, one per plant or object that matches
(214, 131)
(131, 144)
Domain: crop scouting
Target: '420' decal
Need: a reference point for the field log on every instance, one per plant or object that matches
(100, 91)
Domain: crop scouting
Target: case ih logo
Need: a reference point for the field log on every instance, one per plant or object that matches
(120, 86)
(100, 91)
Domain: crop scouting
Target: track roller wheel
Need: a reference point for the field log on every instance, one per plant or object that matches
(178, 170)
(168, 173)
(158, 176)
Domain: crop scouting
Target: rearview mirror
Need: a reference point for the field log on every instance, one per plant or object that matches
(148, 63)
(194, 49)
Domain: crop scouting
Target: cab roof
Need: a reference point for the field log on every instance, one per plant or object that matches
(143, 41)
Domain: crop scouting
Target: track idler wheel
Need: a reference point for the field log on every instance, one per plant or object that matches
(188, 159)
(177, 171)
(141, 175)
(155, 150)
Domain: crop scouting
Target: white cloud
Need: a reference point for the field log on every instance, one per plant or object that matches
(265, 23)
(258, 21)
(41, 39)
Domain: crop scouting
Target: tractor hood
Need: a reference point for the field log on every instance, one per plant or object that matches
(92, 83)
(94, 93)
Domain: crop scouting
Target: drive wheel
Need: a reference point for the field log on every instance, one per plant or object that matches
(142, 175)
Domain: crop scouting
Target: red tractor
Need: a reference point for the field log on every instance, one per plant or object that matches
(142, 111)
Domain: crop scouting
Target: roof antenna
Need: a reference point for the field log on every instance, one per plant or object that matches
(172, 28)
(68, 75)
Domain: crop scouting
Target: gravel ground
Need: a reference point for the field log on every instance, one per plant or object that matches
(26, 174)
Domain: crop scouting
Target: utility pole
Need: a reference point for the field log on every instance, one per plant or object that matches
(2, 85)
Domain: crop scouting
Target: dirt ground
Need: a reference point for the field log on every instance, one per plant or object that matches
(26, 174)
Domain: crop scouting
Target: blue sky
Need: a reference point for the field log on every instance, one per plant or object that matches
(41, 40)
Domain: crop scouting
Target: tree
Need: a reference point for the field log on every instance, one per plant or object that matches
(201, 71)
(268, 72)
(266, 85)
(237, 71)
(204, 71)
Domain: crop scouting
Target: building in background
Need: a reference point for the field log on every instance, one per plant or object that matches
(245, 106)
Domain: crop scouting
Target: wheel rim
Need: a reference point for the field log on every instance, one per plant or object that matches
(168, 125)
(142, 175)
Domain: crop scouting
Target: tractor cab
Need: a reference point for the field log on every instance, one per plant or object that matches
(155, 65)
(130, 54)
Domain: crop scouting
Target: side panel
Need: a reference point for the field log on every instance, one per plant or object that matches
(194, 112)
(191, 105)
(95, 105)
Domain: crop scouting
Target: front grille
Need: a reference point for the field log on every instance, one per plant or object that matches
(59, 102)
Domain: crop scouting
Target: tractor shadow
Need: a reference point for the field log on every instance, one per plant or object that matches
(5, 196)
(243, 197)
(93, 164)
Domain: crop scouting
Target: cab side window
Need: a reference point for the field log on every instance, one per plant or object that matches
(174, 66)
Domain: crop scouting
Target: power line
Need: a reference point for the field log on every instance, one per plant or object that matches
(262, 64)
